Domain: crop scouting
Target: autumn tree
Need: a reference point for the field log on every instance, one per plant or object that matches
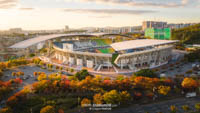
(2, 66)
(47, 109)
(1, 73)
(6, 110)
(35, 74)
(186, 108)
(98, 99)
(164, 90)
(85, 102)
(57, 67)
(146, 82)
(125, 97)
(112, 97)
(42, 77)
(120, 77)
(14, 74)
(197, 106)
(173, 109)
(189, 83)
(61, 111)
(50, 66)
(60, 68)
(54, 77)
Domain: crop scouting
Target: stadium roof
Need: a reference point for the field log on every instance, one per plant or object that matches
(36, 40)
(135, 44)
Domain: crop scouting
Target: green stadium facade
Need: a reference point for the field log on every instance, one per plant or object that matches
(161, 34)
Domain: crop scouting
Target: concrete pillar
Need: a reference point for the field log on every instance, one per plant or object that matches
(95, 60)
(85, 59)
(121, 63)
(75, 60)
(108, 63)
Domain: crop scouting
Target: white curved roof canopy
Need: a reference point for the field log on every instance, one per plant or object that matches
(36, 40)
(134, 44)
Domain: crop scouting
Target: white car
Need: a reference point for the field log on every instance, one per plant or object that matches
(193, 65)
(163, 75)
(190, 95)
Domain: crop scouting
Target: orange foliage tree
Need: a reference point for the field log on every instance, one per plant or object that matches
(189, 83)
(98, 99)
(146, 82)
(164, 90)
(85, 102)
(47, 109)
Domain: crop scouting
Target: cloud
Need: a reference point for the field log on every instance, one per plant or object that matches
(141, 3)
(6, 4)
(106, 16)
(110, 11)
(26, 9)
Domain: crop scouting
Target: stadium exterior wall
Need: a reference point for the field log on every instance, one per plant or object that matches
(132, 61)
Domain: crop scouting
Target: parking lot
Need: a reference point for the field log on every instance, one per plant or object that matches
(180, 69)
(28, 77)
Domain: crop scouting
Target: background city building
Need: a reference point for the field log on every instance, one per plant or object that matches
(153, 24)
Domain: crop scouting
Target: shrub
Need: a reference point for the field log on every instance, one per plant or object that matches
(185, 108)
(150, 95)
(31, 55)
(189, 72)
(1, 73)
(61, 111)
(173, 109)
(138, 95)
(197, 106)
(125, 97)
(71, 70)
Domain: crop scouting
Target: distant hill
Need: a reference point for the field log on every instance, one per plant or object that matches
(187, 35)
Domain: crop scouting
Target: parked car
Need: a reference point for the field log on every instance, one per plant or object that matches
(190, 95)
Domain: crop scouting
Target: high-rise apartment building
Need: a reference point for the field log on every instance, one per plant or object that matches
(153, 24)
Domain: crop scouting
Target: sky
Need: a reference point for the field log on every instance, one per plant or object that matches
(55, 14)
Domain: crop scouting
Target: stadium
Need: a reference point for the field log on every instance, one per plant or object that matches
(102, 53)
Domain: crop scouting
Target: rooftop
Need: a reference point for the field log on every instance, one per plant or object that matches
(36, 40)
(135, 44)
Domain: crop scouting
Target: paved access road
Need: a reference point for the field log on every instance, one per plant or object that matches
(163, 107)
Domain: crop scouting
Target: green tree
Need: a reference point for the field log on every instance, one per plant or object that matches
(187, 35)
(82, 74)
(71, 70)
(146, 73)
